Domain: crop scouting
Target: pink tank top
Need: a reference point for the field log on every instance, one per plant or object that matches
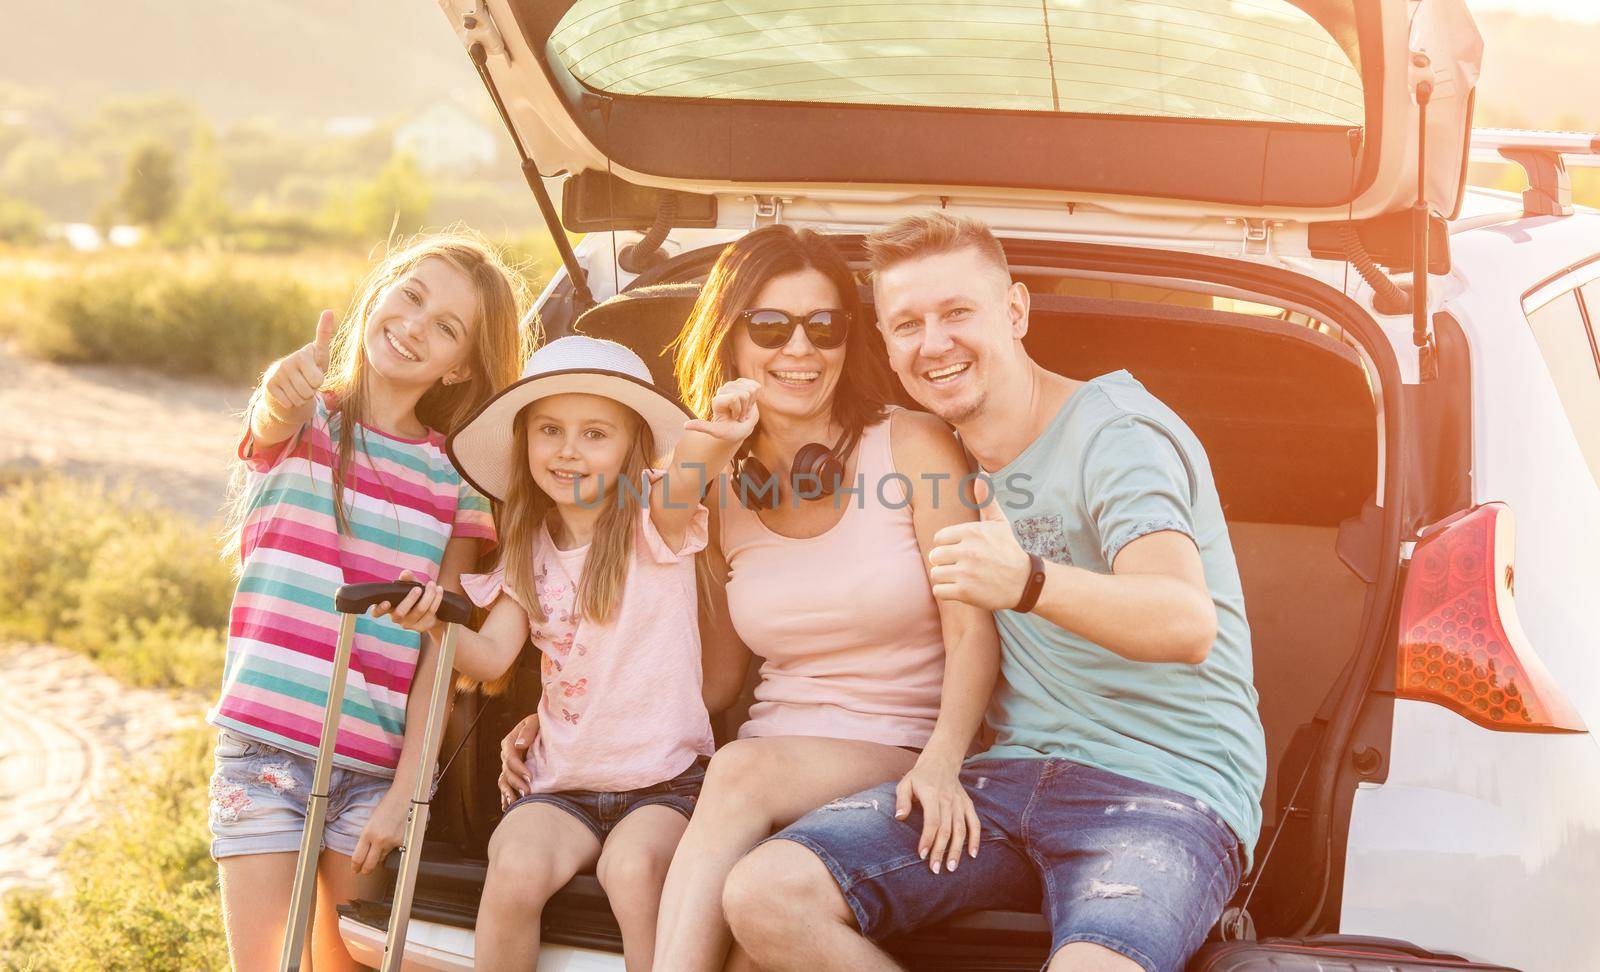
(845, 622)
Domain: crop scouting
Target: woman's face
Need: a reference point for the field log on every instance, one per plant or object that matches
(799, 379)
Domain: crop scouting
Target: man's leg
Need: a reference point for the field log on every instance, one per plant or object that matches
(788, 913)
(1137, 874)
(752, 787)
(848, 874)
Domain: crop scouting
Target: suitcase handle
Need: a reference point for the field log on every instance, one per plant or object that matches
(358, 598)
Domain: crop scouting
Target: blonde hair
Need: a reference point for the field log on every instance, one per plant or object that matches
(499, 346)
(930, 234)
(527, 507)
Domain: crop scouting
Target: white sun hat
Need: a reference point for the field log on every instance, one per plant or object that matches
(483, 448)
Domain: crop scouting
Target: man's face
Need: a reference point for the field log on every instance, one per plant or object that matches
(952, 323)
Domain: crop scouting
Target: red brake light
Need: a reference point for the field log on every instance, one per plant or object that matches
(1461, 644)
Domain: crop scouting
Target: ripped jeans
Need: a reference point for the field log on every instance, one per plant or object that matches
(259, 794)
(1136, 868)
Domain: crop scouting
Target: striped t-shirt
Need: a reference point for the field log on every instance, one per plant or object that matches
(404, 501)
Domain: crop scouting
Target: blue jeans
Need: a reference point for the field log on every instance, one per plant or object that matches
(1139, 869)
(601, 812)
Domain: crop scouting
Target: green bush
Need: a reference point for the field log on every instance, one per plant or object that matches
(20, 222)
(221, 317)
(102, 572)
(139, 886)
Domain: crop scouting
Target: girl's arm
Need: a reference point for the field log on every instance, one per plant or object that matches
(285, 401)
(385, 828)
(706, 447)
(926, 452)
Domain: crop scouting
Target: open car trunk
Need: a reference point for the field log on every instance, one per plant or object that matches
(1292, 418)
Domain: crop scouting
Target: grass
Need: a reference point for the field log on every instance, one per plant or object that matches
(108, 573)
(191, 313)
(139, 885)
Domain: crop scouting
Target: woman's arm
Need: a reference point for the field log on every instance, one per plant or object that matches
(926, 452)
(724, 659)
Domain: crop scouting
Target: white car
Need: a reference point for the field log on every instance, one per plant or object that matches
(1222, 197)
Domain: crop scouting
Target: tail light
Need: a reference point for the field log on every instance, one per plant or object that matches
(1461, 644)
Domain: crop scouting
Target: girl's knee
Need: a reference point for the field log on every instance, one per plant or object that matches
(633, 871)
(526, 876)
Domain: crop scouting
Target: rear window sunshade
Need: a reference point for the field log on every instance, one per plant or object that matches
(1238, 60)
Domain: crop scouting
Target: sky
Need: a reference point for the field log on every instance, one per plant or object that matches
(1571, 9)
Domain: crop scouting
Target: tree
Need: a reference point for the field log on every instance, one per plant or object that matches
(150, 185)
(394, 203)
(202, 211)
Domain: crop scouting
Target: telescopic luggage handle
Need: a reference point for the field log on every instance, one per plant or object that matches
(353, 600)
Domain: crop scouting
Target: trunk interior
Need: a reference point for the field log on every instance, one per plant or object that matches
(1286, 412)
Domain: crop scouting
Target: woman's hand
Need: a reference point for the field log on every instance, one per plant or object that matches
(418, 610)
(383, 833)
(733, 412)
(515, 778)
(949, 820)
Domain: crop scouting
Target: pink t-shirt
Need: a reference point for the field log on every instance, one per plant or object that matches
(621, 707)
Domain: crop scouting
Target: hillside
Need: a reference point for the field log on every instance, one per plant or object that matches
(300, 62)
(294, 61)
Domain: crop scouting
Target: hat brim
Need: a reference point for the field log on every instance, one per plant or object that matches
(482, 449)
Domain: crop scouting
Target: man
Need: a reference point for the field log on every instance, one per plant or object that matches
(1123, 787)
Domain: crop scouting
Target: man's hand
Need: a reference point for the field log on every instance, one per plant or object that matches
(383, 833)
(979, 563)
(949, 821)
(417, 611)
(515, 777)
(733, 412)
(292, 381)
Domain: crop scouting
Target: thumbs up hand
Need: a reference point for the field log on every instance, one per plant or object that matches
(292, 381)
(979, 563)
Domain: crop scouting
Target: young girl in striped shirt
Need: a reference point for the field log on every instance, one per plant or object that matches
(361, 414)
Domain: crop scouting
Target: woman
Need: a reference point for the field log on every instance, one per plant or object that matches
(865, 677)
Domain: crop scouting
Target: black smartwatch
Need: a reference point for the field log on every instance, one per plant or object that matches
(1031, 590)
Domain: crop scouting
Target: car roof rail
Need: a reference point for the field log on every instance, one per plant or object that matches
(1544, 157)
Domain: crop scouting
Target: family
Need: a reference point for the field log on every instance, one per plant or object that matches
(1004, 667)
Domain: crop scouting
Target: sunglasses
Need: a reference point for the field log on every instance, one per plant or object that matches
(772, 329)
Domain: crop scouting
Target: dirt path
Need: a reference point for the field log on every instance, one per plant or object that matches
(172, 438)
(66, 727)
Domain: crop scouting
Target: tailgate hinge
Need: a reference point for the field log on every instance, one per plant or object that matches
(1257, 237)
(769, 208)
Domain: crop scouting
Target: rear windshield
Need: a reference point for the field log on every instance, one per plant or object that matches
(1249, 60)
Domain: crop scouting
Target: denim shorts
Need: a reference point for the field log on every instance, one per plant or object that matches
(1139, 869)
(603, 811)
(259, 794)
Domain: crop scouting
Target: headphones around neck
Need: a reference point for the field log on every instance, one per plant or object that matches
(816, 472)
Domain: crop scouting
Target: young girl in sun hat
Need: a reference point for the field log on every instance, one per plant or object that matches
(347, 481)
(597, 566)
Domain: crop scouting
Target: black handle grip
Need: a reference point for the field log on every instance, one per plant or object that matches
(358, 598)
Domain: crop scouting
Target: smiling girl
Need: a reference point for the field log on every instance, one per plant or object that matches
(347, 482)
(598, 569)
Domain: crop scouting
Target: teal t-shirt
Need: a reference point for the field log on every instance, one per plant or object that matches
(1115, 464)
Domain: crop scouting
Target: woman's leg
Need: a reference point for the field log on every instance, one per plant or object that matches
(337, 884)
(534, 852)
(632, 868)
(753, 787)
(255, 908)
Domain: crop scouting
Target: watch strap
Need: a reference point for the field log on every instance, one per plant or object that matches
(1035, 585)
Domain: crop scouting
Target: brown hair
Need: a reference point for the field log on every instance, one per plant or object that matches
(605, 569)
(705, 359)
(929, 234)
